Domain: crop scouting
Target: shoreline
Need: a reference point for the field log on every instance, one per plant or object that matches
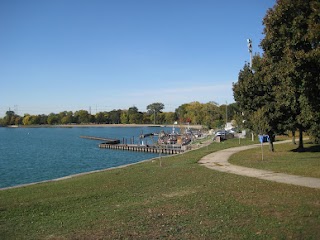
(97, 171)
(102, 125)
(94, 171)
(81, 174)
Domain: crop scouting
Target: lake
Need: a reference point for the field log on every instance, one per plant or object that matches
(29, 155)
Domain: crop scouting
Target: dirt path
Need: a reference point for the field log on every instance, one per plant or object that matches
(219, 161)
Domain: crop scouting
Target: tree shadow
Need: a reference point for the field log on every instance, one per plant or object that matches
(315, 148)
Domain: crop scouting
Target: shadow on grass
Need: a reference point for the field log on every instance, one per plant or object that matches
(315, 148)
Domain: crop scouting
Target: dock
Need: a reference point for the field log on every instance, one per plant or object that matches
(146, 135)
(105, 140)
(143, 148)
(117, 145)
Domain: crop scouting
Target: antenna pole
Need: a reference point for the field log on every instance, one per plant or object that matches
(249, 41)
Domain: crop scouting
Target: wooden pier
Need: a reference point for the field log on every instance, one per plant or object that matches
(106, 140)
(115, 144)
(143, 148)
(146, 135)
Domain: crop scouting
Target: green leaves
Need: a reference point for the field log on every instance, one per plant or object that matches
(284, 85)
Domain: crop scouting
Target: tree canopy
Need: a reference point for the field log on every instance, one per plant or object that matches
(208, 114)
(154, 109)
(283, 86)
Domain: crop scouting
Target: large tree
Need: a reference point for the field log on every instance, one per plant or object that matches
(255, 97)
(291, 43)
(154, 109)
(288, 71)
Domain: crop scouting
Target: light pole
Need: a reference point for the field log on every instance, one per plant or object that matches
(249, 41)
(226, 115)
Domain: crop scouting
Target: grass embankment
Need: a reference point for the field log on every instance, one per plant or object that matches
(285, 159)
(180, 200)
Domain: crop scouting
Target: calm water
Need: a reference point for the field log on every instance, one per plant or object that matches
(35, 154)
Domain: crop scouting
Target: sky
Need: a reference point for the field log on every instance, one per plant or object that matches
(100, 55)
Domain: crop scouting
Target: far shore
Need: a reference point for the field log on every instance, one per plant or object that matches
(102, 125)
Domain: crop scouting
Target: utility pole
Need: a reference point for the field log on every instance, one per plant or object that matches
(226, 114)
(249, 41)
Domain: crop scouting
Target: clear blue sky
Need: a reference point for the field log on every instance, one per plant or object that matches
(58, 55)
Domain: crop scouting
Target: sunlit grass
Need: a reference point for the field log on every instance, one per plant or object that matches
(285, 159)
(179, 200)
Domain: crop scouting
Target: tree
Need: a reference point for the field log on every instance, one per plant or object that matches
(211, 116)
(154, 109)
(26, 119)
(124, 117)
(161, 118)
(134, 115)
(18, 120)
(82, 116)
(194, 110)
(293, 46)
(170, 117)
(53, 119)
(207, 114)
(233, 111)
(254, 94)
(67, 118)
(11, 119)
(146, 118)
(284, 83)
(181, 112)
(100, 118)
(114, 116)
(43, 119)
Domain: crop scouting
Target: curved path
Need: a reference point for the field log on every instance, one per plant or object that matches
(219, 161)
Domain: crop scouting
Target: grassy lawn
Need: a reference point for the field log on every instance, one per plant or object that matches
(180, 200)
(285, 159)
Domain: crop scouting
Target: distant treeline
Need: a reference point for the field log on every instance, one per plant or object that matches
(207, 114)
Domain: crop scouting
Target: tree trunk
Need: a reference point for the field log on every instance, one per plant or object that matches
(300, 148)
(294, 137)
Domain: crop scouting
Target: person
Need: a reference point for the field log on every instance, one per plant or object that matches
(271, 139)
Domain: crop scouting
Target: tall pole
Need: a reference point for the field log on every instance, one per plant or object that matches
(226, 114)
(249, 41)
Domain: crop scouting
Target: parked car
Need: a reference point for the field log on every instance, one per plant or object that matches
(224, 135)
(233, 130)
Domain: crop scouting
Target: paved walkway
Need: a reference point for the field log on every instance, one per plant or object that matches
(219, 161)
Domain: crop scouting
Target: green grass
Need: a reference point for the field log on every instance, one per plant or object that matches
(285, 159)
(180, 200)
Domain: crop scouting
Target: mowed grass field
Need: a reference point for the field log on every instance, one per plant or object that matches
(284, 159)
(178, 200)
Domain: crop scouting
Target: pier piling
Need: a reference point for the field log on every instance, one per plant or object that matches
(142, 148)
